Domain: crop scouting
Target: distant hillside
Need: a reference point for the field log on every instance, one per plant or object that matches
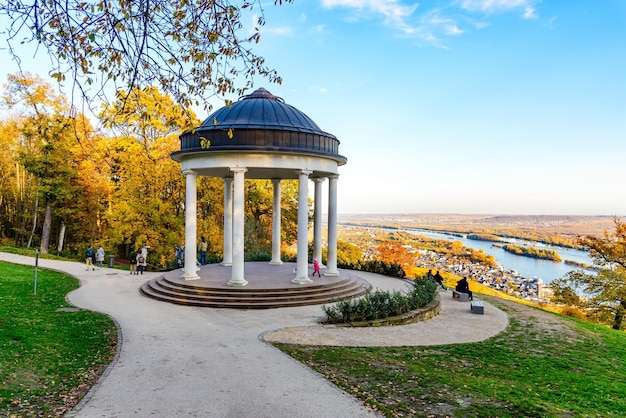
(494, 224)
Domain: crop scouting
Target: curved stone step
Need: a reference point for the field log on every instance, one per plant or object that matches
(251, 300)
(270, 287)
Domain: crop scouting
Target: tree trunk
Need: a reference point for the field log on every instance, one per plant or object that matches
(47, 226)
(61, 237)
(619, 315)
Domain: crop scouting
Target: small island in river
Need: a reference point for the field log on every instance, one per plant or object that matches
(533, 252)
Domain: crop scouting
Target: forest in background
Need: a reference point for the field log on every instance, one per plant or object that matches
(67, 182)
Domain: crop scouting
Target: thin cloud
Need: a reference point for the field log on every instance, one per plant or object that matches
(433, 25)
(453, 30)
(530, 13)
(394, 13)
(278, 30)
(527, 7)
(270, 30)
(319, 89)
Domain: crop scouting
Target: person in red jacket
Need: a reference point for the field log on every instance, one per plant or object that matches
(316, 268)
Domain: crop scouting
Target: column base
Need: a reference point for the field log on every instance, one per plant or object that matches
(276, 263)
(302, 280)
(226, 264)
(331, 273)
(190, 276)
(237, 282)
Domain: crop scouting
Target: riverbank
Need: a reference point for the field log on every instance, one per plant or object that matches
(499, 278)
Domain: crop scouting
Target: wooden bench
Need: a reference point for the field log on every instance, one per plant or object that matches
(477, 307)
(460, 296)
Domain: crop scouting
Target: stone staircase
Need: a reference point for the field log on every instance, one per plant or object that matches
(269, 294)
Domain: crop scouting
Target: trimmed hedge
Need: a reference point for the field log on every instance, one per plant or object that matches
(381, 304)
(375, 266)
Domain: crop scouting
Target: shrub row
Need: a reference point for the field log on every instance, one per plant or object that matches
(382, 304)
(375, 266)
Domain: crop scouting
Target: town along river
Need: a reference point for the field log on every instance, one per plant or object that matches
(529, 267)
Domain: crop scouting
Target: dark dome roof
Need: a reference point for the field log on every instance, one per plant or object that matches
(261, 110)
(259, 122)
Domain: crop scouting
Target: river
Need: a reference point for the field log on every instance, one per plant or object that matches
(547, 270)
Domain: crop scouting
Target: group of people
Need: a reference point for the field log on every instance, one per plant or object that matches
(94, 259)
(138, 260)
(461, 286)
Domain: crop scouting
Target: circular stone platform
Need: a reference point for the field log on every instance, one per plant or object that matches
(269, 286)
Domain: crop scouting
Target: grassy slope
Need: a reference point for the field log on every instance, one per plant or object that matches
(48, 358)
(542, 365)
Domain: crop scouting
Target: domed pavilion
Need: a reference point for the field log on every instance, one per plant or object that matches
(261, 137)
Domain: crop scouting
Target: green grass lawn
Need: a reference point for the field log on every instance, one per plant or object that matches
(543, 365)
(48, 357)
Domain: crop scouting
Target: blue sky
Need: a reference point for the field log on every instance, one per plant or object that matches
(468, 106)
(461, 106)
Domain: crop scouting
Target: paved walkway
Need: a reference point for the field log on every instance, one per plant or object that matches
(177, 361)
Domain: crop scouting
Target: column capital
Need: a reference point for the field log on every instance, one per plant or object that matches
(319, 179)
(305, 172)
(238, 169)
(188, 171)
(333, 177)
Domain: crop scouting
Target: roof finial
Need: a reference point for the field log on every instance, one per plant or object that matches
(261, 93)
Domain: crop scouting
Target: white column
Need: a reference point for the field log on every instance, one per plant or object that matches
(237, 276)
(331, 266)
(227, 253)
(276, 224)
(317, 221)
(302, 272)
(191, 197)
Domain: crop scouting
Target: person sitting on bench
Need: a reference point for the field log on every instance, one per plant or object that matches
(463, 287)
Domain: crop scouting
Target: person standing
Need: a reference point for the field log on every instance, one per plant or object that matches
(88, 258)
(142, 260)
(132, 260)
(202, 248)
(316, 267)
(180, 254)
(100, 257)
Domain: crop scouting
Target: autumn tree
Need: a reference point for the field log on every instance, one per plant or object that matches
(393, 252)
(564, 294)
(258, 216)
(347, 253)
(147, 195)
(189, 49)
(210, 213)
(605, 289)
(47, 136)
(456, 248)
(14, 189)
